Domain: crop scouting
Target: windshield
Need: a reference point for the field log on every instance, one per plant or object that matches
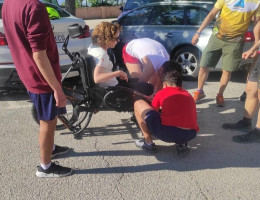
(132, 4)
(61, 12)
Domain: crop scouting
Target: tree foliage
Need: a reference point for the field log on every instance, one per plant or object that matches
(95, 3)
(79, 3)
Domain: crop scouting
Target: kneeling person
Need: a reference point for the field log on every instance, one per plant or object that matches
(177, 120)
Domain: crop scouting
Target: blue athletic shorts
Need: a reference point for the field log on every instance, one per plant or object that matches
(167, 133)
(45, 105)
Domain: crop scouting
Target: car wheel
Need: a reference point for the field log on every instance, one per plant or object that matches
(189, 58)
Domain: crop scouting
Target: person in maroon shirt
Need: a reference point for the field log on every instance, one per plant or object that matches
(172, 115)
(33, 48)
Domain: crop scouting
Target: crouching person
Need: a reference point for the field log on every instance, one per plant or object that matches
(172, 115)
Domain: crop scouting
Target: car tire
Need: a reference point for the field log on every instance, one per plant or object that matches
(189, 58)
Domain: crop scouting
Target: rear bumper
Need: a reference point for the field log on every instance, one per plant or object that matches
(7, 70)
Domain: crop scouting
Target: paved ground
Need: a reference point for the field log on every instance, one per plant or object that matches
(109, 166)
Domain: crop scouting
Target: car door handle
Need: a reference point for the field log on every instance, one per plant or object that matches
(169, 35)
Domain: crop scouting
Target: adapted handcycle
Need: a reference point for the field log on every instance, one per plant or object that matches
(84, 97)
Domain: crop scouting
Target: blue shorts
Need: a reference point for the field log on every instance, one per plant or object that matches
(45, 105)
(167, 133)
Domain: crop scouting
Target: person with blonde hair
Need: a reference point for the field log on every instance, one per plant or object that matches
(104, 36)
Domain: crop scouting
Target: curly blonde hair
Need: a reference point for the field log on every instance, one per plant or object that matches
(104, 33)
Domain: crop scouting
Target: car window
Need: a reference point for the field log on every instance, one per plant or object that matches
(61, 12)
(195, 15)
(168, 15)
(137, 17)
(132, 4)
(1, 5)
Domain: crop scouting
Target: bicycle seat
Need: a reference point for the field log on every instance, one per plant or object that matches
(89, 63)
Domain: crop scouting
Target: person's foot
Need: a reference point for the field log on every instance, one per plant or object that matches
(220, 101)
(151, 148)
(241, 125)
(54, 171)
(182, 149)
(252, 136)
(243, 97)
(198, 96)
(59, 150)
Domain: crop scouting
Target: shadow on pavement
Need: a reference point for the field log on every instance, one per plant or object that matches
(7, 94)
(213, 147)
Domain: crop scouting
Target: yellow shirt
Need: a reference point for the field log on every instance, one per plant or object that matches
(235, 17)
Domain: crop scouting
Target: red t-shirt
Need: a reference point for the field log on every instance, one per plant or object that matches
(28, 29)
(178, 108)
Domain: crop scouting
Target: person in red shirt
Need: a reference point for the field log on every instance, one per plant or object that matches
(33, 48)
(172, 115)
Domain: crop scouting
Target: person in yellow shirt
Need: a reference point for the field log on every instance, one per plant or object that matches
(227, 40)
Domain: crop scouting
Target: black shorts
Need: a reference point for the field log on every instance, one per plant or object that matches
(167, 133)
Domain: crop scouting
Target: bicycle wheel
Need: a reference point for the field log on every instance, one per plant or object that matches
(79, 119)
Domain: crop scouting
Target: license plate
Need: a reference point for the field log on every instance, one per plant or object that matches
(59, 38)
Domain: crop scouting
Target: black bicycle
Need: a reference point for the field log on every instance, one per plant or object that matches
(84, 97)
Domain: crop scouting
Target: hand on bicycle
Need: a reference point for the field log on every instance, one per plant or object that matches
(122, 75)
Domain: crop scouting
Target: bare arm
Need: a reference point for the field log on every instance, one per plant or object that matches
(44, 65)
(204, 24)
(252, 52)
(101, 76)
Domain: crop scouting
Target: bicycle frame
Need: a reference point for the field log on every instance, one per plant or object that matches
(88, 98)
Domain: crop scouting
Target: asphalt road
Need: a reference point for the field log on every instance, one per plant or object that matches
(109, 166)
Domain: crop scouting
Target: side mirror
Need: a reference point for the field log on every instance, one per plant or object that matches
(121, 8)
(75, 30)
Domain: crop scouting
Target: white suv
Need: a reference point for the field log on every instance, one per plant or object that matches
(60, 32)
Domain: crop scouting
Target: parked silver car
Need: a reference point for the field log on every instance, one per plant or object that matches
(174, 24)
(60, 32)
(132, 4)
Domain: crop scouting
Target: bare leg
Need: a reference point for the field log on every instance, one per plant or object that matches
(156, 81)
(140, 109)
(252, 101)
(224, 81)
(203, 76)
(258, 117)
(134, 70)
(46, 140)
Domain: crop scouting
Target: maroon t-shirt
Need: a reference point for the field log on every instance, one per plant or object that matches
(28, 29)
(178, 108)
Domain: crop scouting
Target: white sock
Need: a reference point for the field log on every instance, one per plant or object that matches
(45, 166)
